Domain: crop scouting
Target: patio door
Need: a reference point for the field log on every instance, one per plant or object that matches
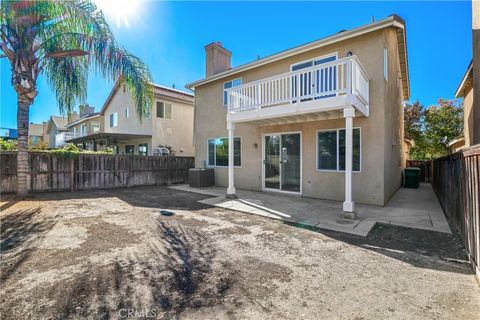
(282, 161)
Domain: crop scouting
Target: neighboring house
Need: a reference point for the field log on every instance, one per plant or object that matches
(56, 131)
(35, 133)
(465, 91)
(408, 144)
(323, 120)
(81, 126)
(170, 123)
(8, 133)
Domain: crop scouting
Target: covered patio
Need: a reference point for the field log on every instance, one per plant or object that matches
(414, 208)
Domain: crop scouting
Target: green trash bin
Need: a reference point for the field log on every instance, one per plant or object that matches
(411, 178)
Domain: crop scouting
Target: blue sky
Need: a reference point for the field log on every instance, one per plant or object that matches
(169, 37)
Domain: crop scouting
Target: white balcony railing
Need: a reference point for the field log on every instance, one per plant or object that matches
(62, 138)
(343, 77)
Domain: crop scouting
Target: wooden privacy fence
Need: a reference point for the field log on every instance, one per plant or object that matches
(456, 182)
(91, 171)
(425, 169)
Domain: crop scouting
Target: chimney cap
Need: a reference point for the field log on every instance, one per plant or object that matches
(218, 45)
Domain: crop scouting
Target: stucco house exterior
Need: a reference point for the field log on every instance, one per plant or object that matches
(465, 91)
(55, 126)
(170, 123)
(35, 133)
(84, 124)
(322, 120)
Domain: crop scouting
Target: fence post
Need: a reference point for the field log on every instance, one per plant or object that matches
(72, 174)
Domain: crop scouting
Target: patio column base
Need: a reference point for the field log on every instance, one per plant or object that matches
(349, 206)
(231, 196)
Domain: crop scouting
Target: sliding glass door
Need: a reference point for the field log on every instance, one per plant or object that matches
(282, 162)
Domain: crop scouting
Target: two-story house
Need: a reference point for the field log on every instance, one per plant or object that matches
(84, 124)
(322, 120)
(56, 131)
(168, 124)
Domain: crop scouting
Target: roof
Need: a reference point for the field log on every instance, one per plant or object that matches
(159, 90)
(456, 140)
(35, 129)
(60, 123)
(391, 21)
(467, 83)
(84, 118)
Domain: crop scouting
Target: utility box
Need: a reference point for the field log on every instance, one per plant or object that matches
(411, 177)
(201, 177)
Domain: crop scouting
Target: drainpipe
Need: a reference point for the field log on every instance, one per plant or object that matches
(231, 173)
(348, 204)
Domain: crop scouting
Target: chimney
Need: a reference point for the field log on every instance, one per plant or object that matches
(86, 109)
(218, 58)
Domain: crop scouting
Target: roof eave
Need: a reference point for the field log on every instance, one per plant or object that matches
(384, 23)
(459, 93)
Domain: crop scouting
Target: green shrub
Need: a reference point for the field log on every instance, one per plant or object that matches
(7, 145)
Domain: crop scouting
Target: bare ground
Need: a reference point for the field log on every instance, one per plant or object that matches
(110, 254)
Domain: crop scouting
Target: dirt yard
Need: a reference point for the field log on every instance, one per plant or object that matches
(111, 254)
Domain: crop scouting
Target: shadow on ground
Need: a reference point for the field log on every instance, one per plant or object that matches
(144, 196)
(18, 231)
(176, 275)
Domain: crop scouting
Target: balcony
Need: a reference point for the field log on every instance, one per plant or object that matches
(315, 92)
(62, 138)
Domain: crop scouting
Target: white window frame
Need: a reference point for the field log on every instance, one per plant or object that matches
(114, 123)
(338, 151)
(225, 103)
(83, 128)
(332, 54)
(215, 152)
(127, 112)
(385, 64)
(164, 113)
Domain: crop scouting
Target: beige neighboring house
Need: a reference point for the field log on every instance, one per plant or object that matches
(83, 125)
(170, 123)
(465, 91)
(56, 127)
(322, 120)
(35, 133)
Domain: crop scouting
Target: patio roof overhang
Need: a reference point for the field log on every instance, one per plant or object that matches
(108, 136)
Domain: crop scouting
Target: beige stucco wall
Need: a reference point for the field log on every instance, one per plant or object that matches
(393, 97)
(176, 132)
(468, 118)
(99, 120)
(120, 101)
(369, 185)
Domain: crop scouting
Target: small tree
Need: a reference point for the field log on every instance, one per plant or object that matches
(432, 128)
(443, 123)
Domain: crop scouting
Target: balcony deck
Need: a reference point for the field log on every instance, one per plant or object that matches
(315, 93)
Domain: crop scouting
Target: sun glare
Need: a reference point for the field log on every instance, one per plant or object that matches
(119, 10)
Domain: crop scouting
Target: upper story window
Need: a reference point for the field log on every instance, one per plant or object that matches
(164, 110)
(127, 112)
(83, 128)
(113, 120)
(230, 84)
(95, 127)
(385, 64)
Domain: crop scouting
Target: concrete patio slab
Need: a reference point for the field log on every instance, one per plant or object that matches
(414, 208)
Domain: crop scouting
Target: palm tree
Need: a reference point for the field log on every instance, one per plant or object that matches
(62, 41)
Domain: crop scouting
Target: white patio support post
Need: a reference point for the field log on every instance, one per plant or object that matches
(231, 164)
(348, 204)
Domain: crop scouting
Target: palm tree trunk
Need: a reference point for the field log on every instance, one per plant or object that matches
(22, 155)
